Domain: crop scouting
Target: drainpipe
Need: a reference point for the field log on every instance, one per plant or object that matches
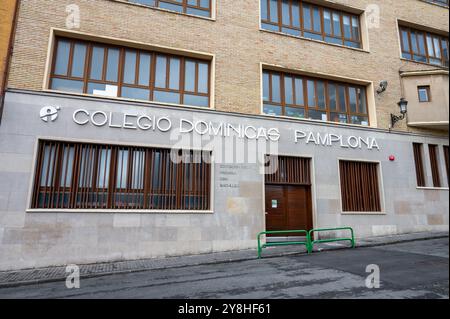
(8, 57)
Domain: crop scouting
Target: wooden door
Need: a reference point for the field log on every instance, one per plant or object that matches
(299, 207)
(276, 209)
(288, 207)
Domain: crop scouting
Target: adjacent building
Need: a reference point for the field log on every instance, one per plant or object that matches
(8, 15)
(138, 129)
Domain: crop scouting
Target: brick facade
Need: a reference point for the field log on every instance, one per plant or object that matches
(235, 40)
(7, 10)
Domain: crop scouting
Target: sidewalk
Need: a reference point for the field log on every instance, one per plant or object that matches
(49, 274)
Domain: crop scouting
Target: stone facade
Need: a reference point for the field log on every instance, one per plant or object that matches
(31, 238)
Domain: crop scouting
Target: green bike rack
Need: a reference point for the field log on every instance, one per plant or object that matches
(282, 243)
(317, 230)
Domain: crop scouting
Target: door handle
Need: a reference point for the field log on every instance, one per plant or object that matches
(267, 213)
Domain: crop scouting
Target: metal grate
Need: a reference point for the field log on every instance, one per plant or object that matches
(359, 186)
(447, 164)
(288, 170)
(433, 150)
(418, 159)
(93, 176)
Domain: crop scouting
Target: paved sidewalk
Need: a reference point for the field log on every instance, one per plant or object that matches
(57, 273)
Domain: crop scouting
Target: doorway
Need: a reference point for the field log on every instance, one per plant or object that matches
(288, 197)
(288, 207)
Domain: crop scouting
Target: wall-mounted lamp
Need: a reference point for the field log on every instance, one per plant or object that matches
(403, 105)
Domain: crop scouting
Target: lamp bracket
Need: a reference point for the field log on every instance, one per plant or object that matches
(396, 118)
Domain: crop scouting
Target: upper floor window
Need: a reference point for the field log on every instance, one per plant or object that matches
(424, 93)
(106, 70)
(313, 98)
(299, 18)
(424, 46)
(440, 2)
(195, 7)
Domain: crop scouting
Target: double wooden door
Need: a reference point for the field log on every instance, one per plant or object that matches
(288, 207)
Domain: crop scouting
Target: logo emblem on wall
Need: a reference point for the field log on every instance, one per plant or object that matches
(49, 113)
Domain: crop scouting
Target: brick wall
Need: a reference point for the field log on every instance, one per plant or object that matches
(235, 40)
(6, 19)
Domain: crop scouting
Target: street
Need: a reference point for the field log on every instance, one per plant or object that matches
(416, 269)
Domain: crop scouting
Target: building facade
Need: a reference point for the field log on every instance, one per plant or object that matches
(137, 129)
(8, 15)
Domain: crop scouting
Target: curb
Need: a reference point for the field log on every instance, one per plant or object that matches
(398, 241)
(118, 272)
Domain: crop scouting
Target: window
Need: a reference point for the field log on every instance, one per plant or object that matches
(93, 176)
(359, 186)
(418, 159)
(105, 70)
(195, 7)
(312, 98)
(440, 2)
(424, 93)
(434, 162)
(299, 18)
(287, 170)
(447, 164)
(424, 47)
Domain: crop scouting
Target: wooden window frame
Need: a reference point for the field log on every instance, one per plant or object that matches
(428, 90)
(322, 33)
(121, 67)
(442, 3)
(306, 107)
(419, 164)
(184, 5)
(179, 186)
(445, 149)
(409, 31)
(370, 198)
(433, 151)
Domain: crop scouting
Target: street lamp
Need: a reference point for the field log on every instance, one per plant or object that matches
(403, 105)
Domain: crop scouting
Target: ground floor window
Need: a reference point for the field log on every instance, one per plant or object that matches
(360, 189)
(94, 176)
(434, 163)
(447, 164)
(418, 159)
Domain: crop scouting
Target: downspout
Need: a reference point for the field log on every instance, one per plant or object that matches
(8, 57)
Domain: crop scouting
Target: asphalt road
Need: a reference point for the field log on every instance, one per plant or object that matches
(416, 269)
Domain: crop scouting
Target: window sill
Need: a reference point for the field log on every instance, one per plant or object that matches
(129, 100)
(364, 213)
(433, 188)
(120, 211)
(315, 121)
(425, 63)
(313, 40)
(166, 10)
